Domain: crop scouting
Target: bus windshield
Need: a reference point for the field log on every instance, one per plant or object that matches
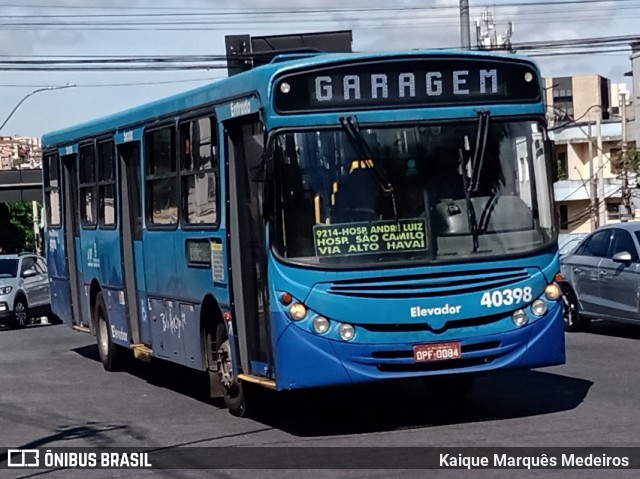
(449, 192)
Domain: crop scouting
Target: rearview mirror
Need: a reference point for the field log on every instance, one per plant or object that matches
(28, 273)
(622, 257)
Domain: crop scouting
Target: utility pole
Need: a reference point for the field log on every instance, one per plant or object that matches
(465, 35)
(626, 212)
(593, 190)
(600, 173)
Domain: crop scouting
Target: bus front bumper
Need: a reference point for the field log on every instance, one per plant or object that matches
(304, 359)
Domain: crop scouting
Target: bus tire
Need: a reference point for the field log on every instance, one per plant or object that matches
(110, 354)
(233, 391)
(573, 320)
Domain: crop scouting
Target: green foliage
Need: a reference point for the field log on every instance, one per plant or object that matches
(626, 161)
(16, 226)
(562, 169)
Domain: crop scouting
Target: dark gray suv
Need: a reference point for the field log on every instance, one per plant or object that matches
(24, 289)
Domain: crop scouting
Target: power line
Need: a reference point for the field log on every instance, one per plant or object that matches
(322, 11)
(100, 85)
(580, 46)
(523, 4)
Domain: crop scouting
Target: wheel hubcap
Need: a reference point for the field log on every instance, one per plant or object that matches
(21, 314)
(225, 368)
(104, 337)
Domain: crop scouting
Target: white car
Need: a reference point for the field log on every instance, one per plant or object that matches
(24, 289)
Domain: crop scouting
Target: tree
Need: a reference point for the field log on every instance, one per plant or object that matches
(626, 162)
(16, 227)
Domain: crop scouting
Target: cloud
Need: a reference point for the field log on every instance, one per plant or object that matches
(18, 40)
(381, 26)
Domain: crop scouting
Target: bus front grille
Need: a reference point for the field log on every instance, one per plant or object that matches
(435, 366)
(420, 327)
(439, 284)
(408, 353)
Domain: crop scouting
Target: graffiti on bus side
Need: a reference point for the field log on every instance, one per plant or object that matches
(173, 323)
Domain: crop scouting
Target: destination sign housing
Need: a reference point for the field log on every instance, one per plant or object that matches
(406, 83)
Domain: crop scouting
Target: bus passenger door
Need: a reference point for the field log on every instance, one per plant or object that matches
(131, 241)
(72, 235)
(248, 244)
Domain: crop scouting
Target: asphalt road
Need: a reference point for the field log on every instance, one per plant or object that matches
(54, 392)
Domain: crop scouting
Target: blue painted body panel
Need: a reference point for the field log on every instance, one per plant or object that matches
(58, 268)
(61, 298)
(114, 300)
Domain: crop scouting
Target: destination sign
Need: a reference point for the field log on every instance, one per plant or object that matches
(198, 251)
(408, 83)
(370, 237)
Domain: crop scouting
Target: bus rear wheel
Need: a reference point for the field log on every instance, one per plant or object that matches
(232, 389)
(110, 354)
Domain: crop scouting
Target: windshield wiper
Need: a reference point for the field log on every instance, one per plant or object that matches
(478, 153)
(472, 185)
(471, 212)
(350, 126)
(478, 161)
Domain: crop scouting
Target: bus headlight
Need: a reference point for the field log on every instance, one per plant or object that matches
(520, 318)
(552, 292)
(297, 311)
(346, 332)
(539, 307)
(320, 324)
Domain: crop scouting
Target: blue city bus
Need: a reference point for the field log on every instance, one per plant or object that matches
(323, 219)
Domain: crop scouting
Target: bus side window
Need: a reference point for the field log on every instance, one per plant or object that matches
(160, 175)
(106, 184)
(88, 188)
(199, 171)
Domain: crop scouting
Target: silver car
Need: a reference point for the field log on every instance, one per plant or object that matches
(602, 277)
(24, 289)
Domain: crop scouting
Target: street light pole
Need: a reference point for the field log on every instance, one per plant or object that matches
(34, 204)
(38, 90)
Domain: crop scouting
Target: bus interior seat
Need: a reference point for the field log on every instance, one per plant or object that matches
(356, 198)
(508, 213)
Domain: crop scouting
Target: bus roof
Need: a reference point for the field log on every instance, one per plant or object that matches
(256, 80)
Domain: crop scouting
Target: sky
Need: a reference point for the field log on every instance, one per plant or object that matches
(46, 30)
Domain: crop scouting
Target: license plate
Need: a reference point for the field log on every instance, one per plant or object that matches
(424, 353)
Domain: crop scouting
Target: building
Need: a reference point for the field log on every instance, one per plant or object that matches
(17, 152)
(585, 115)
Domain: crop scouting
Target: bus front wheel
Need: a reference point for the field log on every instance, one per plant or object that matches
(232, 389)
(110, 354)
